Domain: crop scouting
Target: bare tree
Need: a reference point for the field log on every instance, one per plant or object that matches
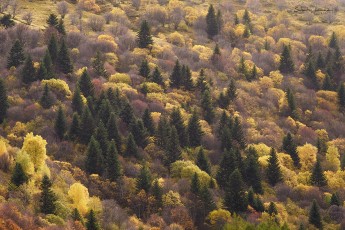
(62, 8)
(27, 17)
(108, 16)
(96, 23)
(14, 7)
(329, 17)
(136, 4)
(4, 5)
(176, 15)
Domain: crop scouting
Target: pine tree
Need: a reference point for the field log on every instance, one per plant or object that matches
(314, 215)
(246, 33)
(177, 122)
(98, 65)
(291, 103)
(139, 132)
(232, 90)
(148, 122)
(335, 200)
(16, 56)
(46, 100)
(60, 124)
(86, 126)
(235, 196)
(242, 68)
(246, 17)
(274, 174)
(77, 101)
(104, 111)
(333, 42)
(85, 84)
(144, 179)
(272, 209)
(92, 223)
(327, 83)
(74, 129)
(76, 216)
(195, 186)
(42, 73)
(61, 27)
(28, 72)
(113, 164)
(223, 100)
(202, 83)
(341, 96)
(195, 132)
(101, 136)
(4, 105)
(64, 62)
(157, 192)
(144, 35)
(127, 114)
(311, 73)
(187, 79)
(113, 132)
(18, 177)
(290, 148)
(219, 20)
(252, 174)
(226, 167)
(47, 61)
(320, 62)
(253, 74)
(53, 49)
(238, 134)
(259, 206)
(157, 77)
(286, 62)
(175, 77)
(318, 177)
(47, 198)
(207, 106)
(52, 20)
(251, 197)
(202, 161)
(174, 149)
(212, 28)
(131, 147)
(144, 70)
(94, 160)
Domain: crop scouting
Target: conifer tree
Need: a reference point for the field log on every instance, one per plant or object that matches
(53, 49)
(335, 200)
(195, 186)
(311, 73)
(6, 20)
(272, 209)
(157, 77)
(291, 103)
(174, 149)
(92, 223)
(252, 174)
(86, 126)
(246, 17)
(202, 83)
(236, 20)
(144, 70)
(251, 197)
(139, 132)
(18, 177)
(238, 134)
(98, 65)
(47, 198)
(342, 162)
(286, 62)
(207, 107)
(101, 136)
(157, 192)
(61, 27)
(274, 174)
(4, 105)
(219, 20)
(226, 167)
(113, 132)
(314, 215)
(60, 123)
(187, 79)
(259, 206)
(253, 74)
(333, 42)
(113, 164)
(175, 77)
(16, 56)
(77, 101)
(148, 122)
(64, 62)
(232, 90)
(47, 61)
(327, 83)
(94, 160)
(290, 148)
(341, 96)
(144, 179)
(131, 147)
(223, 101)
(127, 114)
(144, 35)
(104, 111)
(320, 62)
(52, 20)
(318, 177)
(202, 161)
(163, 132)
(46, 100)
(246, 33)
(177, 122)
(195, 132)
(212, 28)
(76, 216)
(85, 84)
(235, 196)
(28, 72)
(42, 72)
(74, 128)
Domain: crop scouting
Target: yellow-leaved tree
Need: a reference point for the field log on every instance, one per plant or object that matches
(307, 154)
(35, 147)
(80, 197)
(332, 157)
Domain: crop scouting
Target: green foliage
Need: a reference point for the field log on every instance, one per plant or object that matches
(318, 177)
(52, 20)
(18, 177)
(314, 215)
(85, 84)
(4, 105)
(76, 216)
(94, 159)
(252, 174)
(156, 77)
(207, 106)
(42, 72)
(144, 179)
(292, 104)
(101, 136)
(194, 130)
(195, 184)
(77, 101)
(48, 65)
(286, 63)
(92, 223)
(48, 198)
(144, 70)
(335, 200)
(113, 164)
(64, 62)
(341, 96)
(226, 167)
(139, 132)
(212, 27)
(238, 134)
(175, 77)
(74, 129)
(177, 122)
(113, 132)
(61, 27)
(148, 122)
(7, 21)
(60, 124)
(53, 49)
(290, 147)
(28, 71)
(235, 197)
(333, 42)
(273, 172)
(131, 147)
(144, 35)
(173, 147)
(202, 161)
(272, 209)
(16, 56)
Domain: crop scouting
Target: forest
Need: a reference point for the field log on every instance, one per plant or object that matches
(172, 114)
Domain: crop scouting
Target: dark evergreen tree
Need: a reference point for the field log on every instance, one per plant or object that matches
(174, 149)
(238, 134)
(16, 56)
(342, 162)
(52, 20)
(187, 79)
(242, 68)
(60, 124)
(315, 216)
(28, 72)
(53, 49)
(290, 147)
(4, 105)
(113, 132)
(7, 21)
(251, 197)
(157, 192)
(139, 132)
(202, 161)
(48, 198)
(232, 90)
(64, 62)
(223, 100)
(212, 28)
(61, 27)
(226, 167)
(77, 101)
(148, 122)
(274, 174)
(104, 111)
(42, 73)
(74, 128)
(177, 122)
(195, 132)
(291, 103)
(252, 174)
(246, 17)
(76, 216)
(327, 83)
(235, 196)
(272, 209)
(127, 114)
(47, 61)
(259, 205)
(341, 96)
(131, 147)
(113, 164)
(101, 136)
(253, 74)
(46, 100)
(92, 223)
(320, 62)
(236, 20)
(310, 72)
(157, 77)
(18, 177)
(195, 186)
(98, 65)
(335, 200)
(163, 133)
(207, 106)
(144, 70)
(86, 126)
(318, 177)
(85, 84)
(286, 62)
(144, 35)
(175, 77)
(333, 42)
(94, 160)
(246, 32)
(220, 21)
(202, 83)
(144, 179)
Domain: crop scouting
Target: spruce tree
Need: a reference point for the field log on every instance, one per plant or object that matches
(157, 77)
(291, 103)
(60, 123)
(195, 132)
(226, 167)
(144, 179)
(207, 106)
(139, 132)
(177, 121)
(64, 62)
(320, 62)
(131, 147)
(202, 83)
(286, 63)
(47, 198)
(310, 72)
(259, 206)
(127, 114)
(7, 21)
(61, 27)
(144, 70)
(290, 148)
(272, 209)
(327, 83)
(335, 200)
(4, 105)
(104, 111)
(77, 101)
(98, 65)
(74, 128)
(174, 149)
(47, 61)
(86, 126)
(315, 216)
(235, 196)
(42, 73)
(85, 84)
(202, 161)
(92, 223)
(28, 72)
(187, 79)
(238, 134)
(246, 17)
(342, 162)
(236, 20)
(341, 96)
(53, 49)
(101, 136)
(333, 42)
(274, 174)
(144, 35)
(219, 20)
(232, 90)
(52, 20)
(175, 77)
(212, 28)
(113, 164)
(76, 216)
(16, 56)
(318, 177)
(18, 177)
(195, 186)
(113, 132)
(148, 122)
(252, 174)
(94, 159)
(157, 192)
(46, 100)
